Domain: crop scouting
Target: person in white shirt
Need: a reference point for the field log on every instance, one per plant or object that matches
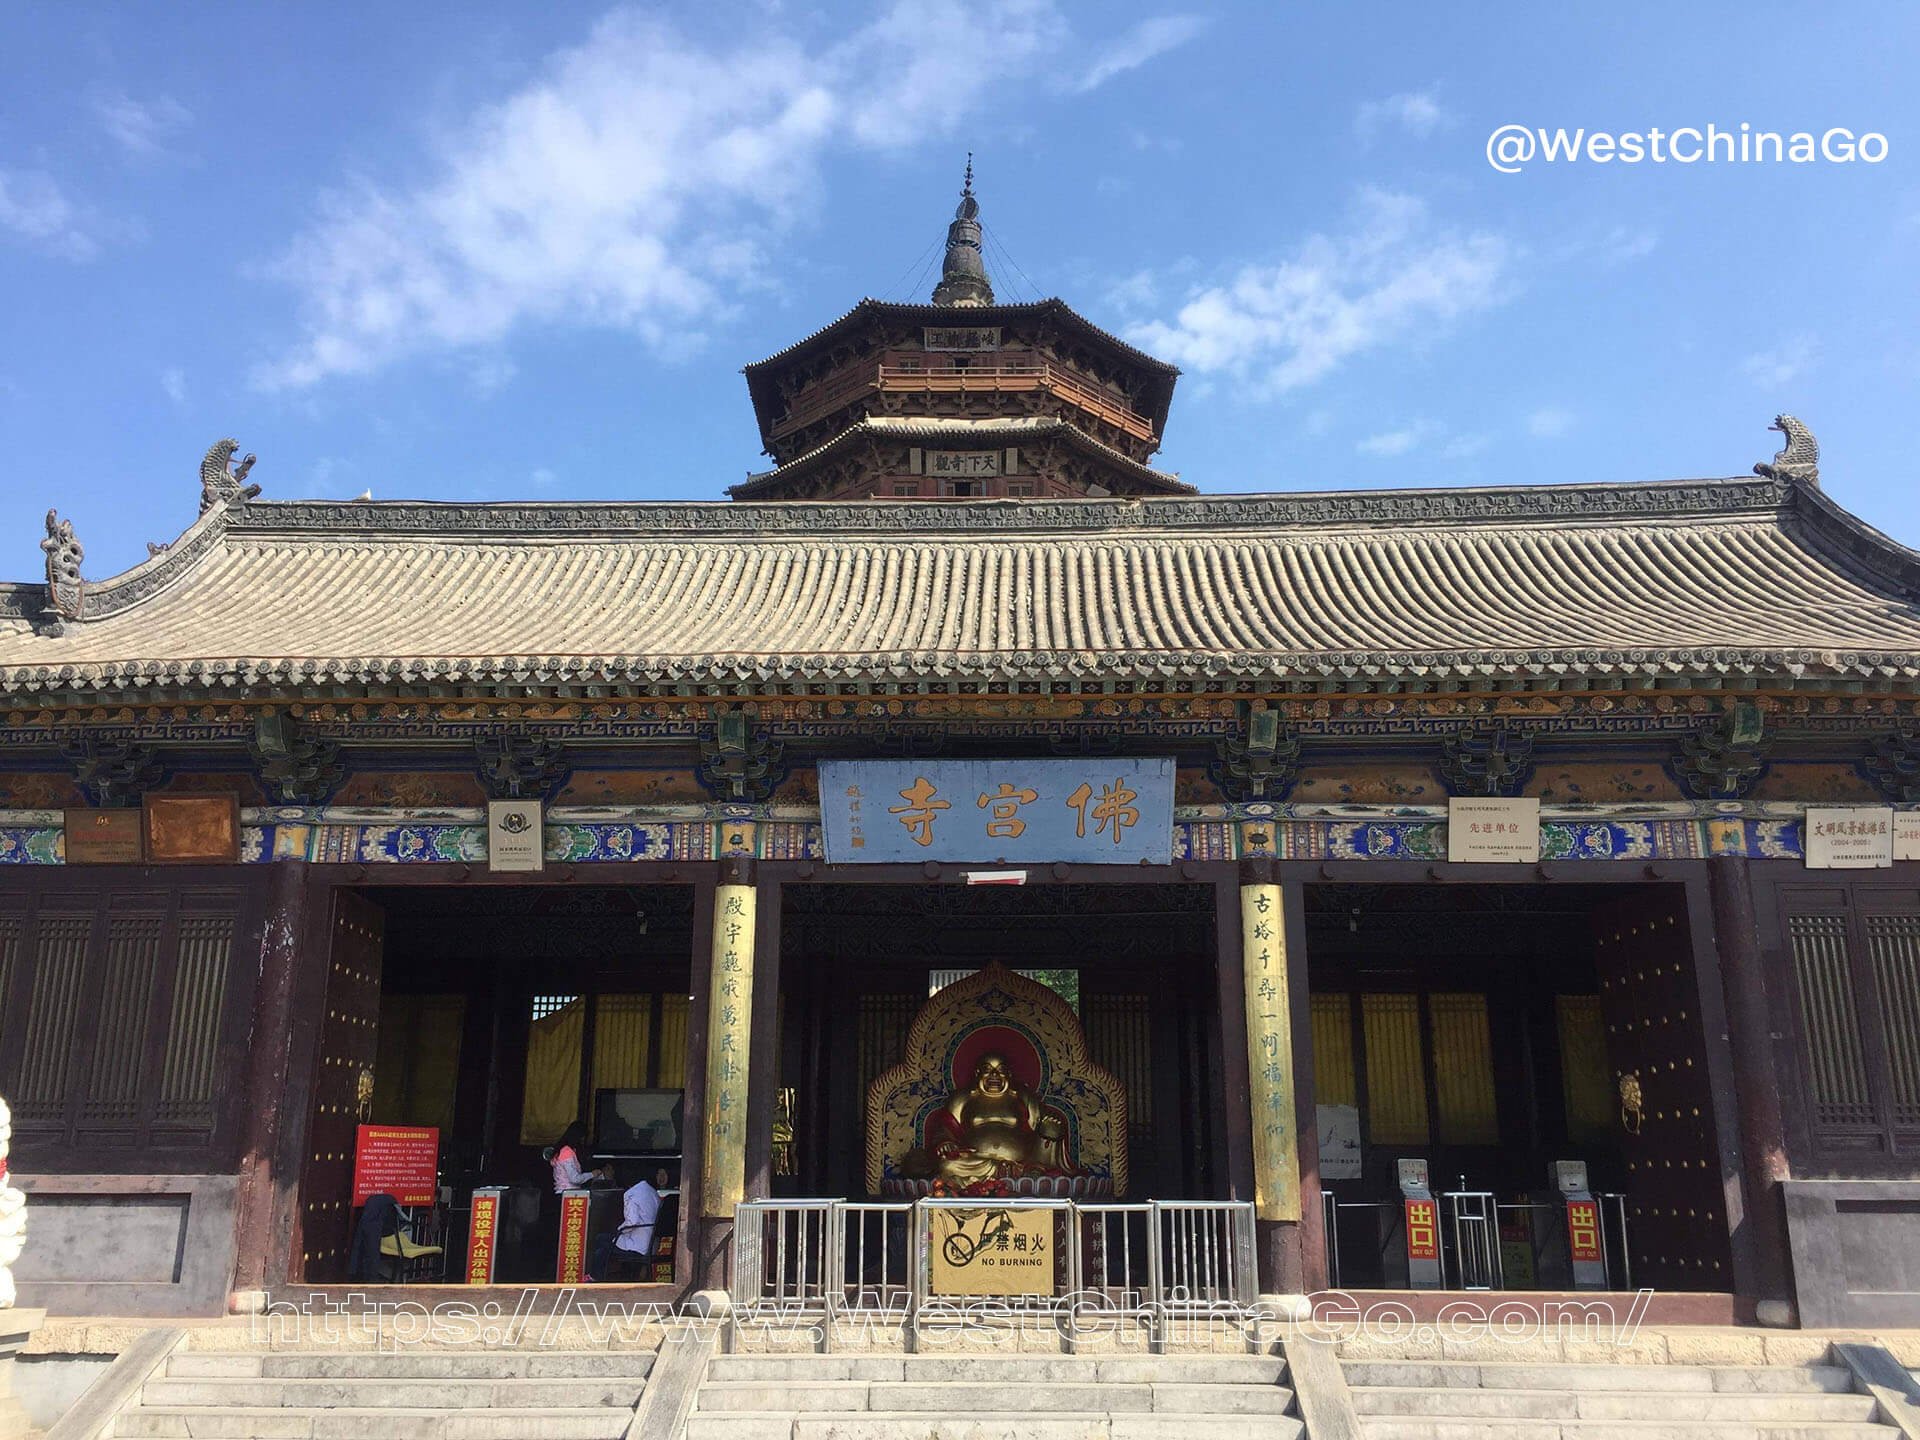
(639, 1214)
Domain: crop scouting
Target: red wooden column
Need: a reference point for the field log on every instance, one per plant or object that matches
(1763, 1145)
(266, 1079)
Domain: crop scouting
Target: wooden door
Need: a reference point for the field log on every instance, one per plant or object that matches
(342, 1087)
(1650, 998)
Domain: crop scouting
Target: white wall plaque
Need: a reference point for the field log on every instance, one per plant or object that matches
(1851, 837)
(1906, 834)
(514, 838)
(1339, 1141)
(1487, 830)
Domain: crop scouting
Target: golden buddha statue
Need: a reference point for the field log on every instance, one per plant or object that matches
(990, 1129)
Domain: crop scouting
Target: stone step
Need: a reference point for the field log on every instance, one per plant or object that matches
(410, 1365)
(149, 1422)
(1546, 1376)
(1435, 1427)
(619, 1391)
(854, 1396)
(1004, 1369)
(921, 1425)
(1610, 1405)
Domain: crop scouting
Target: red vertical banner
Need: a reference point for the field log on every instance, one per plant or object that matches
(483, 1236)
(571, 1267)
(1583, 1231)
(1423, 1231)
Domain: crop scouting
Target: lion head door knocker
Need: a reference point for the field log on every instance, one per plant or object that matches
(363, 1094)
(1632, 1102)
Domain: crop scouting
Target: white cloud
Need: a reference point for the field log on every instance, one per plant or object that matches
(34, 209)
(1549, 422)
(1280, 326)
(1782, 365)
(1146, 41)
(1389, 443)
(1424, 435)
(543, 477)
(636, 183)
(143, 128)
(1415, 112)
(173, 380)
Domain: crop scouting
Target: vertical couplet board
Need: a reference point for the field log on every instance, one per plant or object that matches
(723, 1179)
(1276, 1154)
(483, 1235)
(1649, 997)
(342, 1085)
(570, 1267)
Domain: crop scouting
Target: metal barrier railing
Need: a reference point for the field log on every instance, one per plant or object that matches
(1207, 1253)
(782, 1252)
(1475, 1216)
(1476, 1252)
(837, 1255)
(874, 1255)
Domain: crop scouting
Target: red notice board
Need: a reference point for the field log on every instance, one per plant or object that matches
(398, 1160)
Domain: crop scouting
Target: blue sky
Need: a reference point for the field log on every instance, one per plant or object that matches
(483, 252)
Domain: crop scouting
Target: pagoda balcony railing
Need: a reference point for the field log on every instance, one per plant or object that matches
(843, 389)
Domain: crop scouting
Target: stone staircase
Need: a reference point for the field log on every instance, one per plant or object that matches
(994, 1397)
(1459, 1400)
(417, 1395)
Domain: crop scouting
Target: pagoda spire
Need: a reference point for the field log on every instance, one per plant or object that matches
(963, 275)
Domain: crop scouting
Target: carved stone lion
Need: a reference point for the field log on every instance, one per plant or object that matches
(13, 1213)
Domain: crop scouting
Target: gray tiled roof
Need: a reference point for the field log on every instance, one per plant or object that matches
(1658, 582)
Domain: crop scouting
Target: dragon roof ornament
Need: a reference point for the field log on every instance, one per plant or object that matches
(221, 481)
(1798, 460)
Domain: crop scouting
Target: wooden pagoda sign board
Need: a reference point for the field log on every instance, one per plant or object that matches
(1116, 811)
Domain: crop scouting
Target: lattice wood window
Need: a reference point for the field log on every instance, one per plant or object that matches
(1836, 1063)
(1893, 948)
(111, 1007)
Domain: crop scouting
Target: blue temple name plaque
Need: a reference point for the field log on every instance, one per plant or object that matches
(1091, 812)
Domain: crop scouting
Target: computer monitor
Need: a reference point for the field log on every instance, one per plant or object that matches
(637, 1122)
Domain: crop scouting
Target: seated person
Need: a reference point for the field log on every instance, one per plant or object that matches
(640, 1212)
(567, 1155)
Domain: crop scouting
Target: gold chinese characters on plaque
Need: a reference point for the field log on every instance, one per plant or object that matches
(1276, 1139)
(729, 1033)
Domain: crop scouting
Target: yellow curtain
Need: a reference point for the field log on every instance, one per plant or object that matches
(391, 1048)
(673, 1042)
(1585, 1079)
(1463, 1070)
(551, 1101)
(1396, 1079)
(620, 1024)
(416, 1068)
(435, 1074)
(1332, 1049)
